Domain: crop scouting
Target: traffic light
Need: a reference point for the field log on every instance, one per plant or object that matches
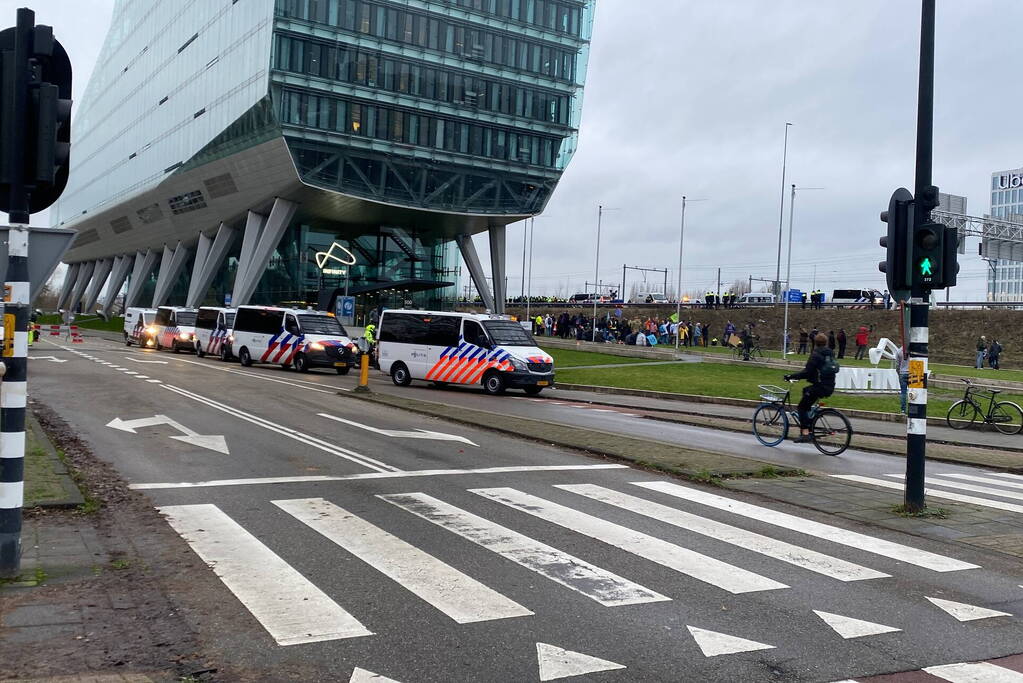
(928, 256)
(898, 261)
(950, 257)
(35, 116)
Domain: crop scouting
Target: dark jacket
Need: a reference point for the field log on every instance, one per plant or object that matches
(812, 371)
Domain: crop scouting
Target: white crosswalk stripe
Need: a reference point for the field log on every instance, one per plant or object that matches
(701, 567)
(982, 672)
(853, 539)
(982, 480)
(288, 605)
(941, 481)
(936, 493)
(598, 584)
(758, 543)
(460, 597)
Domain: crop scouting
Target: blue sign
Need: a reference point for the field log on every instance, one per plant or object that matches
(227, 300)
(348, 306)
(794, 296)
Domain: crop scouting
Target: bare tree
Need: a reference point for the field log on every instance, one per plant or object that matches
(740, 287)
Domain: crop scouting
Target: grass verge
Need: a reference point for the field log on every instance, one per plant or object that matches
(87, 322)
(567, 358)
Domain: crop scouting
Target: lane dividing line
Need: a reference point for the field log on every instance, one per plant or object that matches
(853, 539)
(311, 386)
(260, 481)
(287, 604)
(460, 597)
(340, 452)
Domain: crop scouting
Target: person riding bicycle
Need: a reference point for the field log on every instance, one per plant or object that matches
(820, 371)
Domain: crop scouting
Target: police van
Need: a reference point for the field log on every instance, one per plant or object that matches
(213, 332)
(139, 326)
(462, 348)
(175, 328)
(290, 337)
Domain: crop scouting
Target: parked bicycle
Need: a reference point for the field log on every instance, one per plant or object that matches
(1006, 416)
(755, 351)
(830, 430)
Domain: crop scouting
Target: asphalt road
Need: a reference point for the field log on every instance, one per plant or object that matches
(346, 547)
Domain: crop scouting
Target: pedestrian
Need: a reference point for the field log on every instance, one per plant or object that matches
(802, 299)
(862, 339)
(886, 297)
(697, 335)
(901, 364)
(729, 331)
(706, 335)
(842, 340)
(804, 338)
(993, 352)
(831, 340)
(981, 351)
(820, 371)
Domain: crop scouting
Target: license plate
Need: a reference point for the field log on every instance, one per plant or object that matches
(340, 365)
(542, 383)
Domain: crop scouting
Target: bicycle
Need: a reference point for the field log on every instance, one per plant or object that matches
(755, 351)
(1006, 416)
(830, 430)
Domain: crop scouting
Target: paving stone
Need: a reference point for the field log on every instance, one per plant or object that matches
(41, 615)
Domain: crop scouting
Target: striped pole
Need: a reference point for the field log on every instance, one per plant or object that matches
(13, 393)
(916, 408)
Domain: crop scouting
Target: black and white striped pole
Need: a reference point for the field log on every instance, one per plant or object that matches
(13, 394)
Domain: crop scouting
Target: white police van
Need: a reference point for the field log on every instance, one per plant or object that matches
(291, 337)
(139, 326)
(213, 327)
(175, 328)
(462, 348)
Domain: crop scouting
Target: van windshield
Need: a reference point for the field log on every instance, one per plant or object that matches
(186, 318)
(508, 333)
(850, 294)
(321, 324)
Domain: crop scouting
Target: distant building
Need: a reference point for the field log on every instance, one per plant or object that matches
(222, 148)
(1005, 277)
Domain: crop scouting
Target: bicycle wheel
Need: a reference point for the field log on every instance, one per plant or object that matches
(1008, 417)
(961, 415)
(736, 353)
(831, 432)
(770, 424)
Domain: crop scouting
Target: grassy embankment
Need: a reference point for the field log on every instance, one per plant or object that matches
(86, 322)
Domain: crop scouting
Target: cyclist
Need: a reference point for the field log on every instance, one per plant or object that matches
(820, 371)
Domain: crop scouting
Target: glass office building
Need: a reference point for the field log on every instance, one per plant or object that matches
(269, 151)
(1005, 277)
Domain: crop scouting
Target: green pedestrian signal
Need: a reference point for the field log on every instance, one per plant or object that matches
(925, 266)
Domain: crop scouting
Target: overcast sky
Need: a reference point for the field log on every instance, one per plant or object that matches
(691, 97)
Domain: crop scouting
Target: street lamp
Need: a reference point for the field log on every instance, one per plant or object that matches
(596, 270)
(529, 282)
(781, 210)
(788, 273)
(678, 292)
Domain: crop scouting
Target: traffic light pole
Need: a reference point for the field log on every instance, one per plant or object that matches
(916, 422)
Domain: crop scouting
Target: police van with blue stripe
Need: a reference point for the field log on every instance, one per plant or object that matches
(291, 337)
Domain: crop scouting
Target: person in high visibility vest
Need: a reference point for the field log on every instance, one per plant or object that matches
(539, 325)
(370, 334)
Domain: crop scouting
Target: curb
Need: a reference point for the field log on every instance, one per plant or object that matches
(73, 497)
(576, 438)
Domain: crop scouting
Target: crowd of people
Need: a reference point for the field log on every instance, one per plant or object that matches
(989, 352)
(836, 342)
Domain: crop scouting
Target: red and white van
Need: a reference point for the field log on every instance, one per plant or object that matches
(213, 326)
(175, 328)
(291, 337)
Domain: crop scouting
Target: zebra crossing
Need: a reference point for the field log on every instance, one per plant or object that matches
(293, 610)
(999, 489)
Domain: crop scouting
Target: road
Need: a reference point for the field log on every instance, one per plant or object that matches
(394, 544)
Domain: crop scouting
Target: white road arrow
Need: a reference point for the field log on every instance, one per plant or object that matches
(418, 434)
(52, 359)
(712, 643)
(211, 442)
(136, 360)
(963, 612)
(556, 663)
(363, 676)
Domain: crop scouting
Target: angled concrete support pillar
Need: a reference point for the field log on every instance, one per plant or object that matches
(472, 260)
(276, 223)
(254, 224)
(99, 278)
(143, 267)
(70, 278)
(118, 274)
(170, 267)
(84, 277)
(497, 266)
(215, 253)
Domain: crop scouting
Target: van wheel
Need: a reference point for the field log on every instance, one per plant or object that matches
(127, 339)
(301, 363)
(159, 346)
(400, 375)
(493, 383)
(533, 390)
(198, 350)
(175, 348)
(343, 371)
(225, 355)
(244, 358)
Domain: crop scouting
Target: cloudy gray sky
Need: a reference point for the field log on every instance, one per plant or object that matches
(691, 97)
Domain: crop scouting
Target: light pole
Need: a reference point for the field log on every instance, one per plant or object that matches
(596, 269)
(525, 229)
(788, 273)
(781, 210)
(678, 292)
(529, 281)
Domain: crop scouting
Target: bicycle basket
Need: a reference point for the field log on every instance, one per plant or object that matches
(772, 393)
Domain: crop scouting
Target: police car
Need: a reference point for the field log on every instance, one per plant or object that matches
(291, 337)
(175, 328)
(139, 326)
(213, 327)
(493, 351)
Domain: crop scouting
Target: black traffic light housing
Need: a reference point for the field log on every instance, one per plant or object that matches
(950, 257)
(899, 255)
(35, 118)
(928, 256)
